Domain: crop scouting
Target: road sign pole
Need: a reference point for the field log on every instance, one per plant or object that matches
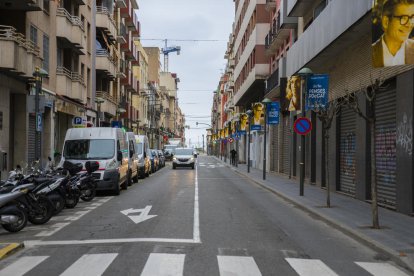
(302, 141)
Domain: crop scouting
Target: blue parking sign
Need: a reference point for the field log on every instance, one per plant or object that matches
(39, 124)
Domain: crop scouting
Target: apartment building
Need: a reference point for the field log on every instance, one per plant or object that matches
(138, 100)
(55, 36)
(335, 37)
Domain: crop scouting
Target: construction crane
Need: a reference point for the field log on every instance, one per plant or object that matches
(166, 50)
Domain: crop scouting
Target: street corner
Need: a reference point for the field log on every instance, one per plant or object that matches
(6, 249)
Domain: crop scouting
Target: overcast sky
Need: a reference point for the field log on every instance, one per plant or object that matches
(200, 63)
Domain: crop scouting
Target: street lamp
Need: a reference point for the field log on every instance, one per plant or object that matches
(265, 102)
(303, 73)
(249, 113)
(99, 101)
(39, 73)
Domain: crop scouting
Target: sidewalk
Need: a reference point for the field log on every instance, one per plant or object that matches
(351, 216)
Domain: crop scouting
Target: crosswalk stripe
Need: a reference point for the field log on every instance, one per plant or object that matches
(381, 269)
(237, 265)
(22, 265)
(309, 267)
(160, 264)
(90, 264)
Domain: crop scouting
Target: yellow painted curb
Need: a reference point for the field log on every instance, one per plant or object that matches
(12, 247)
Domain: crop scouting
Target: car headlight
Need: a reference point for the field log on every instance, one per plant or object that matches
(192, 158)
(112, 165)
(174, 158)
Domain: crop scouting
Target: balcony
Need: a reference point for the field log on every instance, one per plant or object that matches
(299, 7)
(130, 83)
(312, 42)
(105, 22)
(272, 81)
(270, 5)
(122, 34)
(20, 5)
(71, 84)
(106, 63)
(130, 49)
(110, 104)
(70, 31)
(131, 20)
(120, 4)
(18, 56)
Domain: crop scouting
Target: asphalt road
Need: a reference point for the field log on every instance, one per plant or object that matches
(208, 221)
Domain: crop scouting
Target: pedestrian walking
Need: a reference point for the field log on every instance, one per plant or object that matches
(233, 153)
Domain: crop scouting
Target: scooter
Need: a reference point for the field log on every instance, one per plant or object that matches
(13, 213)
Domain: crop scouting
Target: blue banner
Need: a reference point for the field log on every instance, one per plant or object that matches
(272, 111)
(317, 92)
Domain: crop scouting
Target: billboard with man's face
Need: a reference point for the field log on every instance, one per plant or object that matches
(291, 99)
(392, 26)
(244, 120)
(258, 116)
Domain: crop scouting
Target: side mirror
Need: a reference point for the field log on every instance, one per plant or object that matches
(119, 156)
(195, 155)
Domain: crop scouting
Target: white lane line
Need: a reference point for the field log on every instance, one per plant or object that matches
(196, 227)
(56, 227)
(90, 265)
(30, 243)
(309, 267)
(22, 265)
(381, 269)
(160, 264)
(237, 265)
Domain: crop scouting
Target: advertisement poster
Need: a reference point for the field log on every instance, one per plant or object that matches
(243, 122)
(258, 116)
(273, 113)
(392, 26)
(317, 92)
(292, 94)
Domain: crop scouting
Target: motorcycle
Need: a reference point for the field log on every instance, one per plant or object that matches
(13, 214)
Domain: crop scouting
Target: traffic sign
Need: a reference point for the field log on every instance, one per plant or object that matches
(302, 126)
(78, 122)
(39, 124)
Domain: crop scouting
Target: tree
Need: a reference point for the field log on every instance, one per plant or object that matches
(351, 100)
(326, 116)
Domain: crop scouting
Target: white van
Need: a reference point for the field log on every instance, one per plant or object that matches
(132, 158)
(106, 145)
(144, 162)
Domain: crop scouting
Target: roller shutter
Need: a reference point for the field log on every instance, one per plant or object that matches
(32, 139)
(286, 140)
(274, 148)
(347, 151)
(385, 147)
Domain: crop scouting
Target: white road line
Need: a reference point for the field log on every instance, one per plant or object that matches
(56, 227)
(237, 265)
(381, 269)
(309, 267)
(196, 226)
(22, 265)
(90, 265)
(160, 264)
(30, 243)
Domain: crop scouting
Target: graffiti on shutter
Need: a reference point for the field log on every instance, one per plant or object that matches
(385, 147)
(347, 151)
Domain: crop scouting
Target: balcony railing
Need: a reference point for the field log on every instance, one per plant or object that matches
(72, 84)
(105, 21)
(272, 81)
(110, 104)
(18, 55)
(22, 5)
(105, 62)
(70, 29)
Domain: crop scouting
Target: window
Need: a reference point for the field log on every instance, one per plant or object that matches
(33, 34)
(45, 52)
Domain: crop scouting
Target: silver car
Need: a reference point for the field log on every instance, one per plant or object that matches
(183, 157)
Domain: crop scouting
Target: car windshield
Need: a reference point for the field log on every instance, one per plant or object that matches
(139, 148)
(89, 149)
(183, 151)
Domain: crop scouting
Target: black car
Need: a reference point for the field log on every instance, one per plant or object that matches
(168, 155)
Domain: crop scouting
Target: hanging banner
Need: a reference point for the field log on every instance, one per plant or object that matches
(258, 116)
(317, 92)
(272, 112)
(243, 121)
(291, 101)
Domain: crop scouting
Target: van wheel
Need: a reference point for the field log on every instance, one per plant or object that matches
(117, 191)
(135, 179)
(124, 185)
(174, 166)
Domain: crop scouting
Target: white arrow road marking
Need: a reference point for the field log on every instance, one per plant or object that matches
(140, 218)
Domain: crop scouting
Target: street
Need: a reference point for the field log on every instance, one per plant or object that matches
(206, 221)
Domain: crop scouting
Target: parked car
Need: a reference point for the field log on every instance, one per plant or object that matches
(143, 150)
(161, 158)
(106, 145)
(154, 160)
(132, 159)
(183, 157)
(168, 154)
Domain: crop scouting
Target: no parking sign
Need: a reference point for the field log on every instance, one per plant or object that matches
(302, 126)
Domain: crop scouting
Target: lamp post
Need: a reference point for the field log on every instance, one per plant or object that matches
(248, 112)
(265, 102)
(99, 101)
(38, 74)
(303, 73)
(138, 121)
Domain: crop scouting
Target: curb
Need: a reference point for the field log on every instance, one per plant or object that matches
(9, 248)
(390, 253)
